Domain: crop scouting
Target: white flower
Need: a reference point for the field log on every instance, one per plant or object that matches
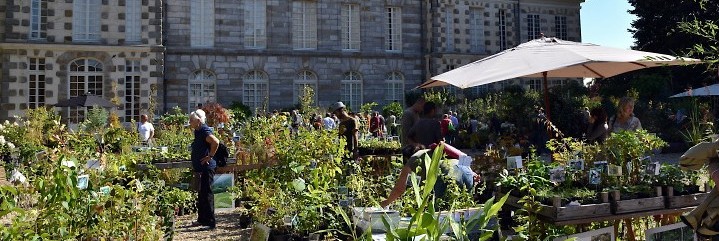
(2, 140)
(10, 145)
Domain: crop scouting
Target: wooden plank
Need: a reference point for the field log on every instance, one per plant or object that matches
(576, 212)
(3, 177)
(625, 216)
(685, 200)
(637, 205)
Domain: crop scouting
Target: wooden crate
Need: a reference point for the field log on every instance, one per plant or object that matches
(685, 200)
(557, 214)
(637, 205)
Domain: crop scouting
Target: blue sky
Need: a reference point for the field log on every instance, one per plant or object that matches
(605, 22)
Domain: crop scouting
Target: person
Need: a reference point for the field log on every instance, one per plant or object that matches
(409, 118)
(453, 132)
(598, 127)
(382, 125)
(146, 130)
(328, 122)
(427, 130)
(473, 129)
(444, 125)
(624, 120)
(296, 121)
(348, 129)
(391, 125)
(374, 125)
(204, 147)
(704, 217)
(413, 156)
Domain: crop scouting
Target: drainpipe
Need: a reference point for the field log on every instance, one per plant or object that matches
(164, 56)
(424, 35)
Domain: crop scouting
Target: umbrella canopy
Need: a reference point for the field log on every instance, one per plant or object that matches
(85, 100)
(555, 58)
(703, 91)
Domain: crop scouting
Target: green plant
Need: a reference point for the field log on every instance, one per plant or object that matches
(176, 117)
(368, 107)
(394, 108)
(95, 120)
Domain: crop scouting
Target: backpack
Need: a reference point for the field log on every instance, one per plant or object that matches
(221, 155)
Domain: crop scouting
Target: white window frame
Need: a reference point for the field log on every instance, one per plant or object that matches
(395, 87)
(202, 88)
(535, 84)
(86, 20)
(393, 34)
(36, 83)
(202, 23)
(255, 24)
(304, 25)
(38, 19)
(351, 89)
(85, 76)
(449, 28)
(304, 78)
(476, 30)
(350, 27)
(255, 90)
(133, 21)
(560, 27)
(502, 29)
(133, 72)
(533, 27)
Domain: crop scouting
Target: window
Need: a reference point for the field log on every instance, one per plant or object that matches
(254, 90)
(395, 87)
(350, 27)
(86, 20)
(304, 79)
(502, 29)
(480, 90)
(132, 90)
(202, 23)
(506, 83)
(393, 40)
(133, 27)
(202, 89)
(560, 27)
(535, 84)
(449, 31)
(255, 24)
(352, 90)
(86, 77)
(476, 30)
(38, 19)
(533, 31)
(36, 83)
(304, 24)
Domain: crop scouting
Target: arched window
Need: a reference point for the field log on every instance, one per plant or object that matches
(352, 90)
(254, 89)
(304, 79)
(86, 77)
(202, 89)
(395, 87)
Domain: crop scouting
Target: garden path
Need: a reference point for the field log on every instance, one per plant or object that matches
(227, 228)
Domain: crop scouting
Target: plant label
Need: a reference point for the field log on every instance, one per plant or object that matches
(105, 190)
(595, 176)
(93, 164)
(514, 162)
(653, 168)
(577, 165)
(601, 165)
(557, 174)
(83, 181)
(614, 170)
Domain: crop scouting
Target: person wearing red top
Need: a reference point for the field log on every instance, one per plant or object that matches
(444, 125)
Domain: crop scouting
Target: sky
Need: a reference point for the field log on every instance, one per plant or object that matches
(606, 23)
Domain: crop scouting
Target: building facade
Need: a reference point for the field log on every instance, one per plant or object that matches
(465, 31)
(53, 50)
(153, 55)
(262, 53)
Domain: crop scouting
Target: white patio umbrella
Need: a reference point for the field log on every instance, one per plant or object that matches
(553, 58)
(703, 91)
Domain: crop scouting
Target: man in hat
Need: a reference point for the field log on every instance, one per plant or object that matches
(348, 128)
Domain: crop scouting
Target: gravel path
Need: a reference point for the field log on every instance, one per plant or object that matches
(227, 228)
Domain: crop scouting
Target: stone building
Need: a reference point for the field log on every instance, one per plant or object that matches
(264, 52)
(468, 30)
(51, 50)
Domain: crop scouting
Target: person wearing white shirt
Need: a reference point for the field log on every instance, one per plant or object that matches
(146, 130)
(329, 122)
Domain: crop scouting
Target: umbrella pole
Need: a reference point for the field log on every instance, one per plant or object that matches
(546, 96)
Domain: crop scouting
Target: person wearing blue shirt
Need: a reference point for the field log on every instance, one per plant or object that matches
(204, 147)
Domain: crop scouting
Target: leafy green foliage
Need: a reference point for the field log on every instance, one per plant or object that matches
(394, 108)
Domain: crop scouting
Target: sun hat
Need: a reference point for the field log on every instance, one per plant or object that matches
(336, 106)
